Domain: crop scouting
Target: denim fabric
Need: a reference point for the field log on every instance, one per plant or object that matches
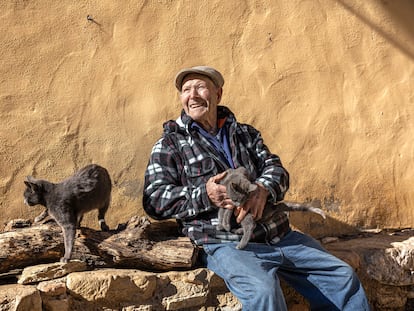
(252, 274)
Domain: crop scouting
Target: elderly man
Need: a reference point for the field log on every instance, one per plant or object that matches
(182, 182)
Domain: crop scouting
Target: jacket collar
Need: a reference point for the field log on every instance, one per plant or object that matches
(183, 122)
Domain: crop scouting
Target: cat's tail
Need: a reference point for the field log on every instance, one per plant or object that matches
(298, 207)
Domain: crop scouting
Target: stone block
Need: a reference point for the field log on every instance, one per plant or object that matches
(112, 288)
(19, 298)
(50, 271)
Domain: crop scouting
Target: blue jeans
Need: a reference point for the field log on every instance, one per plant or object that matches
(252, 274)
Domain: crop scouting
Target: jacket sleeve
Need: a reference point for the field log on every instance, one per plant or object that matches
(166, 193)
(271, 172)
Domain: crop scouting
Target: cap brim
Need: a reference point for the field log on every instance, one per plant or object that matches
(179, 78)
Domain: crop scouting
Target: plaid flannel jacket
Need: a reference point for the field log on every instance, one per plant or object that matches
(182, 161)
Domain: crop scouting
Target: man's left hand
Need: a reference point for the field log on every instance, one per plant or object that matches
(254, 205)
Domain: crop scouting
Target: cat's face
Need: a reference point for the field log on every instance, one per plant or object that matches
(33, 194)
(240, 190)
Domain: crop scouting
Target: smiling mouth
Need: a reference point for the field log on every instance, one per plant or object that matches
(197, 105)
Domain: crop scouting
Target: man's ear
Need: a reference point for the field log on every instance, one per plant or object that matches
(219, 95)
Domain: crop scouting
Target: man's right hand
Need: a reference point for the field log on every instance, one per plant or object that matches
(217, 192)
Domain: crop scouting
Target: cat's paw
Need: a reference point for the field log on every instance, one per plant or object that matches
(241, 245)
(38, 219)
(238, 231)
(41, 217)
(223, 228)
(227, 227)
(104, 227)
(64, 260)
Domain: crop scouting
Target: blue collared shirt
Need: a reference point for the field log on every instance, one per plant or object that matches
(219, 141)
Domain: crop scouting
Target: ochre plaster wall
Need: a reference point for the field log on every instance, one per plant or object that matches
(329, 83)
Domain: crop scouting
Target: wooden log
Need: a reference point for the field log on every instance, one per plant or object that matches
(144, 245)
(27, 246)
(138, 244)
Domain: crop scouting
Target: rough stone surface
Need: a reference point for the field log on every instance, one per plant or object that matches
(388, 259)
(325, 82)
(381, 260)
(112, 288)
(394, 265)
(53, 288)
(45, 272)
(20, 298)
(54, 295)
(184, 289)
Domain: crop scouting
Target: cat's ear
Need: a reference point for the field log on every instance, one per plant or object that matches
(30, 185)
(252, 187)
(237, 188)
(242, 170)
(31, 179)
(30, 182)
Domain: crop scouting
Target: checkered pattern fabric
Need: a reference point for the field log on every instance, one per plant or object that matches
(183, 160)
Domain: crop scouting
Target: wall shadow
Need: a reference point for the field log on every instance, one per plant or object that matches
(401, 13)
(318, 227)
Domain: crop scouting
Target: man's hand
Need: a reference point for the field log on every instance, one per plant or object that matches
(254, 205)
(217, 193)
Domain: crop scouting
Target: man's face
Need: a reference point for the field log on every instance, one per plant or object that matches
(200, 97)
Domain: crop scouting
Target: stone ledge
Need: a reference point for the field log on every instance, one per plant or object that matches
(384, 262)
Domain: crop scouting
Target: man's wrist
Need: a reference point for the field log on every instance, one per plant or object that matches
(262, 188)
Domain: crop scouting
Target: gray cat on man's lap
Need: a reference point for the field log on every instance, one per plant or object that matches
(238, 188)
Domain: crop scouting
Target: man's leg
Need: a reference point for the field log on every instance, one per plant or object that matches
(251, 279)
(325, 281)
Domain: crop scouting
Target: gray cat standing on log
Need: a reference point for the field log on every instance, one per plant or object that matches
(238, 188)
(67, 201)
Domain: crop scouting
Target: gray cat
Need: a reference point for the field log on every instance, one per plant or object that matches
(239, 187)
(67, 201)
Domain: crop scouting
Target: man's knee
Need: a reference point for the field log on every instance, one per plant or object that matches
(347, 272)
(268, 287)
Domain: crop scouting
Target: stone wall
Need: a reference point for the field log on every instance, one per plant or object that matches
(329, 84)
(384, 262)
